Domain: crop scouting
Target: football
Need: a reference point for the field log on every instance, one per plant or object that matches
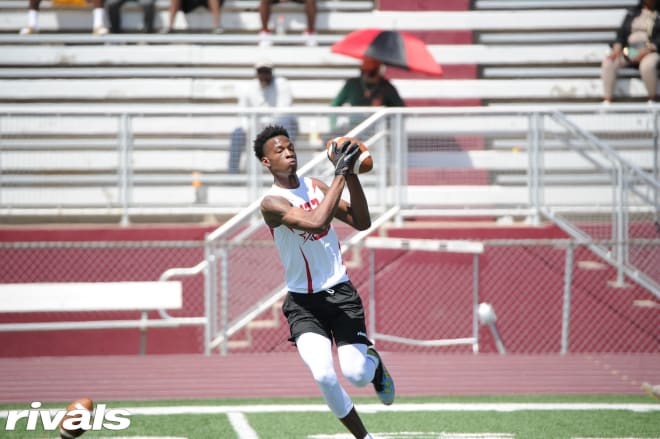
(364, 162)
(78, 404)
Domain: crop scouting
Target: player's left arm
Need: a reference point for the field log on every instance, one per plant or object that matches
(355, 213)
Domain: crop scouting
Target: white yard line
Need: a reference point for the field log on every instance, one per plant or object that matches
(241, 426)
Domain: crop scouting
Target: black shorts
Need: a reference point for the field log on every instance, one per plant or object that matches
(337, 315)
(190, 5)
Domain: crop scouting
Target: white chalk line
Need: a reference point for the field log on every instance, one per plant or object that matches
(241, 426)
(377, 408)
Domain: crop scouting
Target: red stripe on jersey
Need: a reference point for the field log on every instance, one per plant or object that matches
(310, 290)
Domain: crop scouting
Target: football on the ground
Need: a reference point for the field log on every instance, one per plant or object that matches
(78, 404)
(364, 162)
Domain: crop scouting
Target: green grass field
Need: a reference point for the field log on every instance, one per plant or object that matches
(539, 417)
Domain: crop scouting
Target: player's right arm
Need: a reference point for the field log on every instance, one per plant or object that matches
(278, 211)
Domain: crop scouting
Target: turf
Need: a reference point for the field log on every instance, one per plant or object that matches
(523, 424)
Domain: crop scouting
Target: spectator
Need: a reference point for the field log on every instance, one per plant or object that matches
(190, 5)
(368, 89)
(114, 13)
(636, 45)
(265, 8)
(266, 91)
(98, 28)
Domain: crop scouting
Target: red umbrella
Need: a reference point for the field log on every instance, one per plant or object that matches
(392, 48)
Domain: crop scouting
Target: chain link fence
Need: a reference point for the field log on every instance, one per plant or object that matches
(549, 296)
(117, 261)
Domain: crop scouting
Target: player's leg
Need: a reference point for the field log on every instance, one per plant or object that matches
(316, 352)
(360, 363)
(356, 365)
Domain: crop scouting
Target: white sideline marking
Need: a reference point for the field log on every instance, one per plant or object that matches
(377, 408)
(241, 426)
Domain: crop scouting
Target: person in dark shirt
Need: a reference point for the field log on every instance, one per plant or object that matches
(636, 45)
(370, 89)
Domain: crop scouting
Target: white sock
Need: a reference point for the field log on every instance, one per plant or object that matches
(368, 436)
(98, 15)
(33, 19)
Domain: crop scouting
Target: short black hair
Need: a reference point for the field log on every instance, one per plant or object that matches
(265, 135)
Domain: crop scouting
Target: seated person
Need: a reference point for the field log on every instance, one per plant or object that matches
(267, 90)
(190, 5)
(265, 9)
(114, 13)
(98, 15)
(637, 42)
(370, 89)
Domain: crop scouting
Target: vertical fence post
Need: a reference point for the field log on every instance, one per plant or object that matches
(124, 170)
(566, 309)
(534, 173)
(252, 163)
(209, 282)
(372, 293)
(399, 147)
(475, 303)
(224, 298)
(656, 165)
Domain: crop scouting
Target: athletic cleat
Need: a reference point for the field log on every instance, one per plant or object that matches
(383, 382)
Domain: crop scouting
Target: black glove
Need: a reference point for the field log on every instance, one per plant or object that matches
(344, 157)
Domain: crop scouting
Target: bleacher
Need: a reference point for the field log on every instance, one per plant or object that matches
(515, 51)
(498, 53)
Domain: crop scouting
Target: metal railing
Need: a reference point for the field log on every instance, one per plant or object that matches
(593, 173)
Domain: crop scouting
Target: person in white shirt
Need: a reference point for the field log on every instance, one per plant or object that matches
(322, 305)
(266, 91)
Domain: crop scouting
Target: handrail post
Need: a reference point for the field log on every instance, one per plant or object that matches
(621, 223)
(534, 173)
(125, 171)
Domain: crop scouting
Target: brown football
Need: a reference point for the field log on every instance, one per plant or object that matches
(364, 162)
(78, 404)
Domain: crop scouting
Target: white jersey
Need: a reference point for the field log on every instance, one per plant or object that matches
(312, 262)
